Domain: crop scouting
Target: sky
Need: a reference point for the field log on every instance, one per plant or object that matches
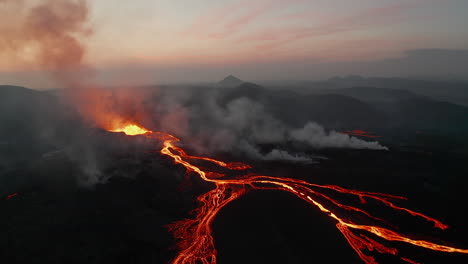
(204, 40)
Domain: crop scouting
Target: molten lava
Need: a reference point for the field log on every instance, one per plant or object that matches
(131, 130)
(195, 238)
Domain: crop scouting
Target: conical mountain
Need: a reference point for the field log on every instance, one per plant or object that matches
(231, 81)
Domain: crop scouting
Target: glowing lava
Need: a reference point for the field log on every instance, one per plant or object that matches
(131, 130)
(11, 196)
(195, 238)
(360, 133)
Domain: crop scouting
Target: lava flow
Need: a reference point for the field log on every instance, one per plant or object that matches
(195, 238)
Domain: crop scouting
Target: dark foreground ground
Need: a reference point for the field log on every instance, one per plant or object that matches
(124, 221)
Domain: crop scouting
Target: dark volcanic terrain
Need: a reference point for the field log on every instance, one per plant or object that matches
(61, 214)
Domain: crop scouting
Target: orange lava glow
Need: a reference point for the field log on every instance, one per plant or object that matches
(11, 196)
(410, 261)
(131, 130)
(360, 133)
(195, 238)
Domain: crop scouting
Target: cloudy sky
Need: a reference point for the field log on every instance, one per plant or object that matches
(196, 40)
(239, 31)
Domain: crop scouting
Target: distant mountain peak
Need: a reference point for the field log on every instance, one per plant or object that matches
(231, 80)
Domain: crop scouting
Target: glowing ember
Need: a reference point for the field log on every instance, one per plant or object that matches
(360, 133)
(11, 196)
(195, 238)
(410, 261)
(131, 130)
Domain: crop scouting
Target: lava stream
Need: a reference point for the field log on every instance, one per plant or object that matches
(194, 235)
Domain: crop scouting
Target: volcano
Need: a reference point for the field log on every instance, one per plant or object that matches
(246, 210)
(133, 149)
(231, 81)
(195, 238)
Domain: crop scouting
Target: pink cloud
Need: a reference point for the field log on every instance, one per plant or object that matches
(233, 18)
(239, 22)
(206, 20)
(276, 37)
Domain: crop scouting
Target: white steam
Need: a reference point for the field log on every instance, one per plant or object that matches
(315, 136)
(241, 124)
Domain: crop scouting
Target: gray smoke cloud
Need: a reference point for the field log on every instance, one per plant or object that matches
(49, 35)
(46, 36)
(315, 136)
(275, 155)
(241, 125)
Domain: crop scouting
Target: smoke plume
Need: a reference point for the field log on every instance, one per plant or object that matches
(241, 125)
(46, 36)
(315, 136)
(49, 36)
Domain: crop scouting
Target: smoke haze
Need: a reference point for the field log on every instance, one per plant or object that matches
(46, 36)
(315, 135)
(50, 36)
(240, 124)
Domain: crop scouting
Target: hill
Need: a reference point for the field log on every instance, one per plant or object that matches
(230, 81)
(331, 110)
